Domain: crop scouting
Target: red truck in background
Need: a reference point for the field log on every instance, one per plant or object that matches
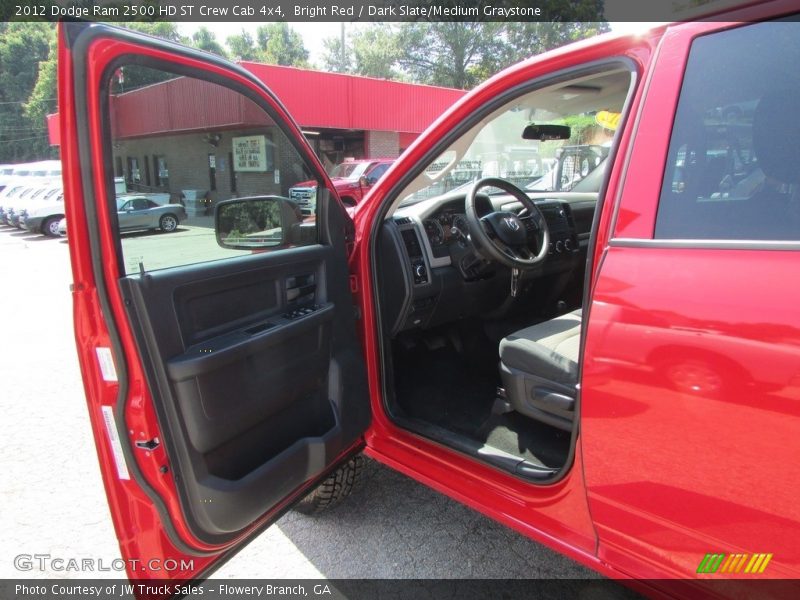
(352, 179)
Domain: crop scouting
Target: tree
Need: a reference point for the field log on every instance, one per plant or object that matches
(279, 44)
(376, 52)
(42, 99)
(460, 54)
(242, 46)
(371, 52)
(162, 29)
(451, 54)
(528, 39)
(205, 39)
(23, 49)
(334, 60)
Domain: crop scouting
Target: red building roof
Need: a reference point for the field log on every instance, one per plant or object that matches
(314, 98)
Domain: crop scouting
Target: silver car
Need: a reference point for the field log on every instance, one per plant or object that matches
(139, 212)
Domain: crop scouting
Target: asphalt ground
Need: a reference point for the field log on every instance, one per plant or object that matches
(53, 500)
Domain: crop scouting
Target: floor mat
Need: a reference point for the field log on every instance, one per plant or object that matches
(437, 386)
(444, 388)
(519, 435)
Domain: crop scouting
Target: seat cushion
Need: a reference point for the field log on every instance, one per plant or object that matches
(548, 350)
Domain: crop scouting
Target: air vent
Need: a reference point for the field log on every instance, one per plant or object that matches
(402, 220)
(411, 242)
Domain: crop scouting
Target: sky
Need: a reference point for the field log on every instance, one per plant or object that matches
(314, 33)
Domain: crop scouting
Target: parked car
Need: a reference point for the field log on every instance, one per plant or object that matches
(42, 213)
(643, 419)
(6, 175)
(19, 201)
(139, 212)
(7, 198)
(352, 180)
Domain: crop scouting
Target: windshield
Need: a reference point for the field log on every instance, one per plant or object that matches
(589, 107)
(351, 170)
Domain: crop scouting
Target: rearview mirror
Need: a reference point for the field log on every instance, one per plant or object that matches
(545, 133)
(259, 222)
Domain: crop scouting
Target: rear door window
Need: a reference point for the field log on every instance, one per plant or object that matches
(733, 168)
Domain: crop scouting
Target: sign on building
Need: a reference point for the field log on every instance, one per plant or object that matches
(250, 153)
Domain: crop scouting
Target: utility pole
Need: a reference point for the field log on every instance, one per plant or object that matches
(344, 63)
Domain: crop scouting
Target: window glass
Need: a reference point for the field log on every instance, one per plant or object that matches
(177, 123)
(733, 166)
(584, 111)
(378, 172)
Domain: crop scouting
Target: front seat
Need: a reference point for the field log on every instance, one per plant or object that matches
(539, 369)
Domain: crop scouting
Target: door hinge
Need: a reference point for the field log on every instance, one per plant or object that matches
(147, 444)
(353, 284)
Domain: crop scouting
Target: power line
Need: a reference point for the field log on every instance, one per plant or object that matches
(38, 137)
(26, 101)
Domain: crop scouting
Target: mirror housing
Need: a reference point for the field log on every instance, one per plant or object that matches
(256, 222)
(544, 133)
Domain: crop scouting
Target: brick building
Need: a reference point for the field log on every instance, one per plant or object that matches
(186, 135)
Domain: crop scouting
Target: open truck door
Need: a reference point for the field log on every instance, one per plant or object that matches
(223, 380)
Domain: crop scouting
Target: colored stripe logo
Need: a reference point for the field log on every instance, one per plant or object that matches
(734, 563)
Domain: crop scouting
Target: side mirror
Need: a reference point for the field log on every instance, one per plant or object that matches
(545, 133)
(363, 181)
(258, 222)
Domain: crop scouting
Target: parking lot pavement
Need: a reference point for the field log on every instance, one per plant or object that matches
(53, 501)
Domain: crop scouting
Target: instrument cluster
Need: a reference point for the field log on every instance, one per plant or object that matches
(446, 227)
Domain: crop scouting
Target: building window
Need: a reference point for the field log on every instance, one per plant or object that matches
(232, 171)
(160, 171)
(146, 171)
(118, 170)
(134, 175)
(212, 172)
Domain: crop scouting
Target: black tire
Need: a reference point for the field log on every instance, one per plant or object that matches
(349, 202)
(168, 223)
(334, 489)
(50, 226)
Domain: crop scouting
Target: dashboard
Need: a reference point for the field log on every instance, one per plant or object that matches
(431, 274)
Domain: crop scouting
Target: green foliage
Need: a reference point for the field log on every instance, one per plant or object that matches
(333, 60)
(376, 52)
(582, 128)
(459, 54)
(205, 39)
(23, 48)
(275, 43)
(451, 54)
(242, 46)
(278, 44)
(161, 29)
(42, 99)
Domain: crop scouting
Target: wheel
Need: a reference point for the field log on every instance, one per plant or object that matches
(168, 223)
(348, 202)
(504, 236)
(50, 226)
(334, 489)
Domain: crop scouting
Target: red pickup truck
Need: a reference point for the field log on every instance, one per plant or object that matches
(351, 179)
(612, 369)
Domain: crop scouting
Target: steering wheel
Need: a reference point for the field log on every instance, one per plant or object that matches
(503, 235)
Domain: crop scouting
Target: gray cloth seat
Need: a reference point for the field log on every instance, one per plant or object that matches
(539, 368)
